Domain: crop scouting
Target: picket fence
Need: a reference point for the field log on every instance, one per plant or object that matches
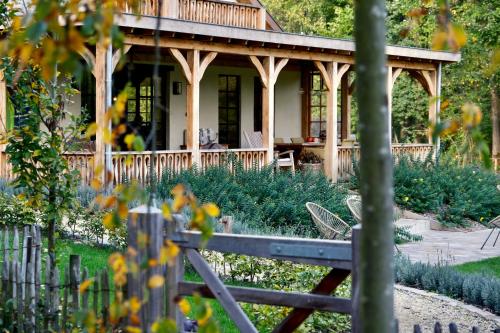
(35, 302)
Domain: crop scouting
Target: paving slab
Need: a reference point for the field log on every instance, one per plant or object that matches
(452, 247)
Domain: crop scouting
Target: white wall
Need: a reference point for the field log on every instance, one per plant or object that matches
(287, 106)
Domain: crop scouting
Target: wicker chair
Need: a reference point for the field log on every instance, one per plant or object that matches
(330, 225)
(354, 205)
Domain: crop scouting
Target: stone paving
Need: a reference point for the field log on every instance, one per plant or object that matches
(453, 247)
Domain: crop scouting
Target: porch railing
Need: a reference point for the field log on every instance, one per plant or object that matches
(223, 13)
(249, 157)
(84, 163)
(345, 155)
(136, 165)
(205, 11)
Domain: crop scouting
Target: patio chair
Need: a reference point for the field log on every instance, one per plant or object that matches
(495, 223)
(283, 159)
(330, 225)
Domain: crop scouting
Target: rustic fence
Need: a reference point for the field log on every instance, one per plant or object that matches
(34, 298)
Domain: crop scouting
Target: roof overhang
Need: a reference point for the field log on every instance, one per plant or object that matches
(273, 38)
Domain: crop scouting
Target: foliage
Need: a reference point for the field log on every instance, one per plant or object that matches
(477, 289)
(262, 201)
(284, 276)
(309, 157)
(15, 211)
(455, 193)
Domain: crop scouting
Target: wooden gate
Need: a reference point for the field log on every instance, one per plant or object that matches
(340, 256)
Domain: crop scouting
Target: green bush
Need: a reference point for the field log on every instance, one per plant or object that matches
(15, 211)
(456, 194)
(262, 201)
(476, 289)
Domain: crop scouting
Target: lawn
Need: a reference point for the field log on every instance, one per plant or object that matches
(489, 266)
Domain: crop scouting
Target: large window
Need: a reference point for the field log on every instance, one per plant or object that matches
(317, 105)
(229, 110)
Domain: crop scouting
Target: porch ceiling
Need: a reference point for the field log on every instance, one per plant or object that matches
(249, 37)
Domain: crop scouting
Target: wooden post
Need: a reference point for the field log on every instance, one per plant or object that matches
(332, 75)
(269, 71)
(392, 75)
(74, 282)
(430, 78)
(193, 108)
(345, 106)
(355, 247)
(170, 8)
(175, 274)
(261, 24)
(145, 222)
(100, 112)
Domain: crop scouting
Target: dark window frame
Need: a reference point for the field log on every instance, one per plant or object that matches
(224, 127)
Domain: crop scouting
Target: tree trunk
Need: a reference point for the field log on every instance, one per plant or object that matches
(376, 310)
(495, 124)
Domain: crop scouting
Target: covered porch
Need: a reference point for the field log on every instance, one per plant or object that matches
(235, 80)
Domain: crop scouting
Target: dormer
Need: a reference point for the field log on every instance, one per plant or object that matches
(249, 14)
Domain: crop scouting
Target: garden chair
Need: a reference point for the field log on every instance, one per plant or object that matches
(330, 225)
(283, 159)
(495, 223)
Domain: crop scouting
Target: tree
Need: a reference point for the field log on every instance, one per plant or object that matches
(376, 294)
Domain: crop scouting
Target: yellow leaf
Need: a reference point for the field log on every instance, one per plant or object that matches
(133, 329)
(165, 209)
(107, 136)
(439, 40)
(134, 304)
(168, 253)
(85, 285)
(211, 209)
(184, 306)
(108, 221)
(458, 36)
(122, 210)
(96, 184)
(156, 281)
(178, 190)
(129, 140)
(208, 314)
(91, 130)
(179, 202)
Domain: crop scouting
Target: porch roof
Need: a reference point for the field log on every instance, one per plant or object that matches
(274, 39)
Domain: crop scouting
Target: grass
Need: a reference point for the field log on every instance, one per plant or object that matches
(489, 266)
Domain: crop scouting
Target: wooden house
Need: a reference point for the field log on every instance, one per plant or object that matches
(229, 67)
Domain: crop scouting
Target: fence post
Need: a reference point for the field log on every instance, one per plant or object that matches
(355, 244)
(175, 273)
(74, 282)
(145, 236)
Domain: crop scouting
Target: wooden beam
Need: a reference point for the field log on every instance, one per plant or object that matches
(268, 108)
(205, 62)
(277, 70)
(220, 291)
(431, 79)
(430, 82)
(389, 83)
(100, 111)
(118, 54)
(342, 70)
(3, 126)
(324, 74)
(345, 107)
(193, 104)
(327, 285)
(272, 297)
(395, 75)
(89, 58)
(186, 69)
(261, 51)
(258, 65)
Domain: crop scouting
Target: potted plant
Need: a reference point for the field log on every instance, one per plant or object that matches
(309, 161)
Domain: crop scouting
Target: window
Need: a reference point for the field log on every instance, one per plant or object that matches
(317, 105)
(87, 92)
(229, 110)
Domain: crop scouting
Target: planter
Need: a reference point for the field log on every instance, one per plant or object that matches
(311, 167)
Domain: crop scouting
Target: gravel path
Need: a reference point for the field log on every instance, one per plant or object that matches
(416, 306)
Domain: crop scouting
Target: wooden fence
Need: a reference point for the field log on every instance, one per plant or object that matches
(37, 301)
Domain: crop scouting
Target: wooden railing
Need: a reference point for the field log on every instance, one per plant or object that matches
(84, 163)
(223, 13)
(136, 165)
(345, 155)
(5, 167)
(249, 157)
(144, 7)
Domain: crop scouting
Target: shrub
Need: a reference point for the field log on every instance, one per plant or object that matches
(476, 289)
(262, 200)
(15, 211)
(456, 194)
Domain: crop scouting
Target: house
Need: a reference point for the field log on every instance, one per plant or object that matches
(229, 67)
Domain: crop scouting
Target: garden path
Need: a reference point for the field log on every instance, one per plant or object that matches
(453, 247)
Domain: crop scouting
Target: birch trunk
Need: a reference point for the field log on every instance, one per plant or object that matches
(495, 124)
(376, 255)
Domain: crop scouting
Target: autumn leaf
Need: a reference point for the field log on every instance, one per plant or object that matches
(85, 285)
(184, 306)
(167, 214)
(168, 253)
(211, 209)
(134, 304)
(156, 281)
